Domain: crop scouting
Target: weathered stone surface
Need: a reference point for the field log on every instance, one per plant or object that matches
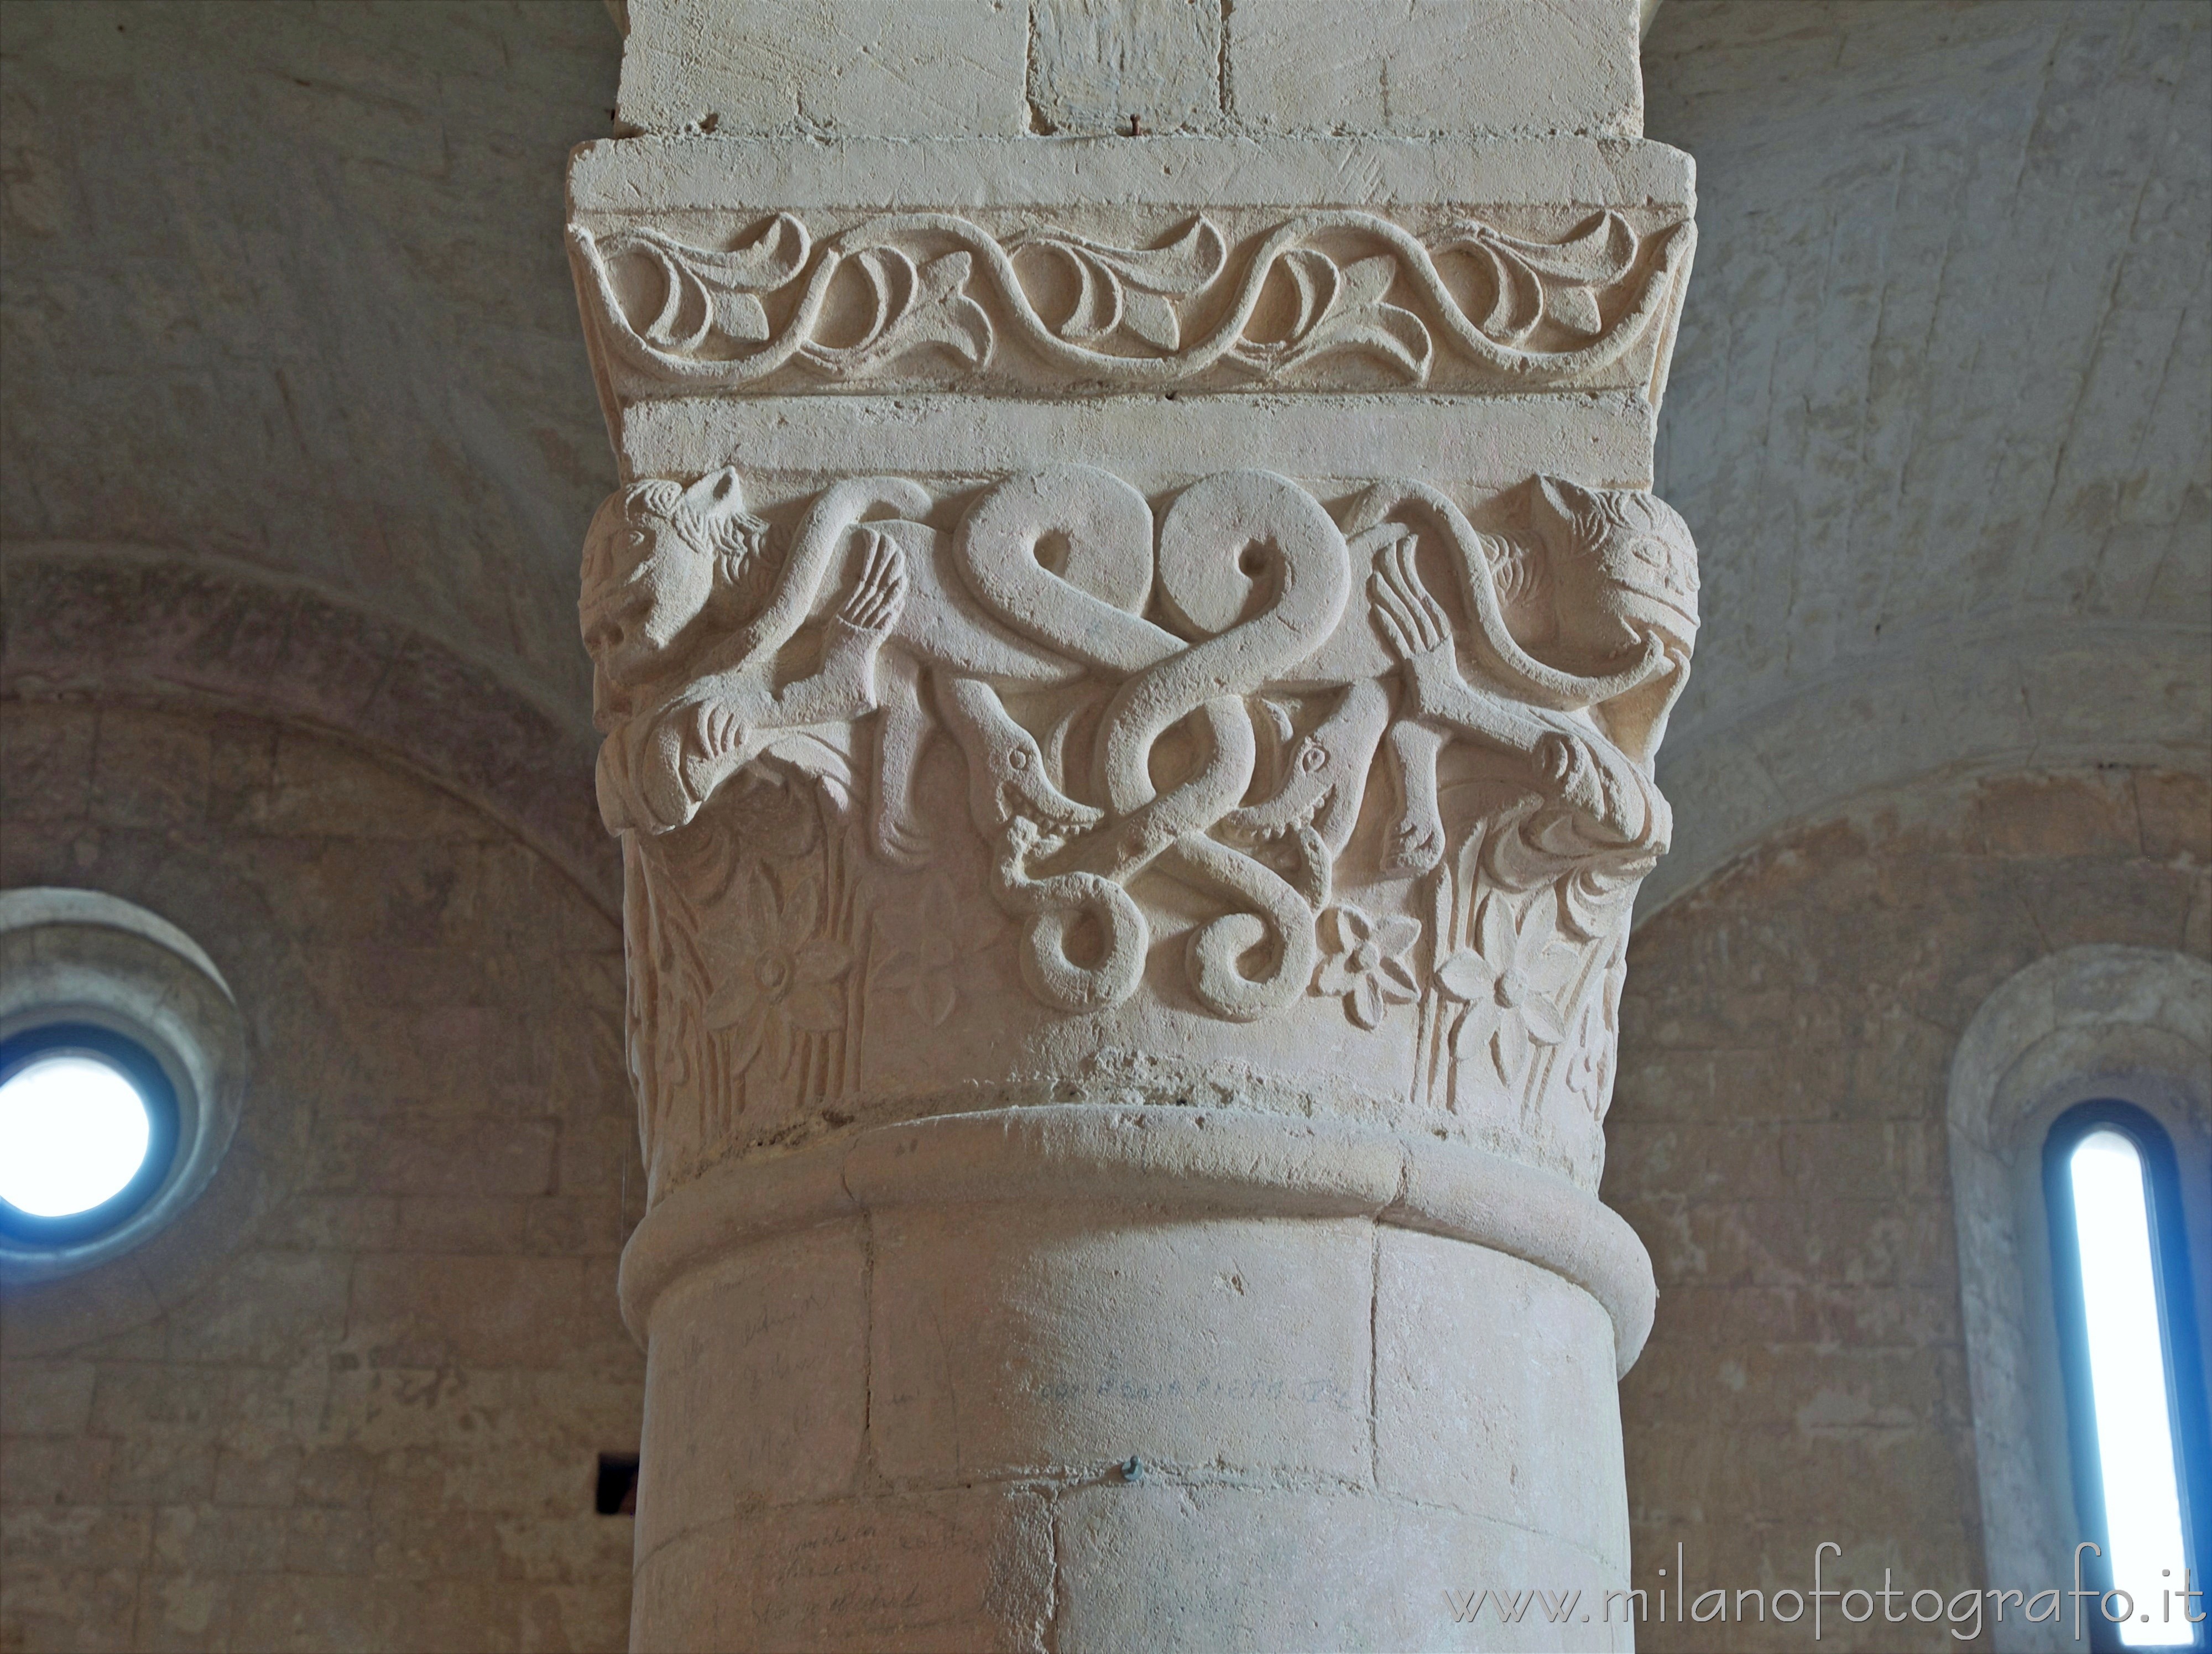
(1130, 668)
(1940, 421)
(1014, 1342)
(1436, 66)
(1948, 442)
(870, 69)
(956, 67)
(354, 1396)
(1125, 66)
(1492, 1395)
(1788, 1036)
(773, 1344)
(970, 1568)
(1160, 1566)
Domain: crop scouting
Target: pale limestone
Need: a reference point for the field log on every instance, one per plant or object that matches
(1785, 1189)
(906, 70)
(955, 67)
(1438, 66)
(774, 1344)
(1224, 1347)
(1502, 1413)
(1124, 66)
(1130, 670)
(968, 1568)
(1160, 1566)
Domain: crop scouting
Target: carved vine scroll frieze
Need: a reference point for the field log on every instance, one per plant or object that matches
(1194, 698)
(936, 298)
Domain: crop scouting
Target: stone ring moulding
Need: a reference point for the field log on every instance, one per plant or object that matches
(1215, 655)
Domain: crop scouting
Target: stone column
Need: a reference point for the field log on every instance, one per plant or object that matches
(1130, 669)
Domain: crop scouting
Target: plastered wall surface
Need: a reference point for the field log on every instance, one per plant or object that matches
(1777, 1139)
(1941, 410)
(284, 283)
(355, 1398)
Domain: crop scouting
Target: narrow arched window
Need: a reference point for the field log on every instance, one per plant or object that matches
(2133, 1379)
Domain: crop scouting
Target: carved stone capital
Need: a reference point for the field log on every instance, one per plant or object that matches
(1130, 670)
(931, 797)
(1098, 648)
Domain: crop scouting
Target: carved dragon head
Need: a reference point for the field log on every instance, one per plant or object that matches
(656, 554)
(1622, 565)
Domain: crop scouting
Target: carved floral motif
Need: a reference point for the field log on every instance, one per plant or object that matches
(1368, 965)
(776, 976)
(1526, 992)
(740, 958)
(917, 950)
(1509, 979)
(933, 296)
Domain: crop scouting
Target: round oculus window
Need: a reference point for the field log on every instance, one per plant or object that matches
(87, 1131)
(122, 1066)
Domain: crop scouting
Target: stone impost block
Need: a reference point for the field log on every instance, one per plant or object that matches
(1436, 66)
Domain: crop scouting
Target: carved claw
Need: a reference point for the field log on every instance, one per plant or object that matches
(899, 839)
(717, 729)
(1410, 620)
(1417, 844)
(881, 592)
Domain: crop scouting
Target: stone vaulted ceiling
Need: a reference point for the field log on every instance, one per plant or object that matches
(285, 284)
(284, 289)
(1942, 408)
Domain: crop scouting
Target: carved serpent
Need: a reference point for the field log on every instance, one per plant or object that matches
(1225, 539)
(1050, 578)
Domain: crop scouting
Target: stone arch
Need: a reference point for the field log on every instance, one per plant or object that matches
(126, 623)
(2131, 1023)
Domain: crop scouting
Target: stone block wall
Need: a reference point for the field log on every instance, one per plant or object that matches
(999, 69)
(355, 1398)
(1777, 1139)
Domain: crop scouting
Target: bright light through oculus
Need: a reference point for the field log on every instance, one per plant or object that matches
(2127, 1377)
(73, 1133)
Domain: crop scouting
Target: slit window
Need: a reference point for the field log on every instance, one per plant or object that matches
(2133, 1372)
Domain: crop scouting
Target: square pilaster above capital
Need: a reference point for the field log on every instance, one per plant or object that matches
(947, 69)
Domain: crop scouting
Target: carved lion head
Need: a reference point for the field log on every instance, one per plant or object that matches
(1622, 564)
(654, 556)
